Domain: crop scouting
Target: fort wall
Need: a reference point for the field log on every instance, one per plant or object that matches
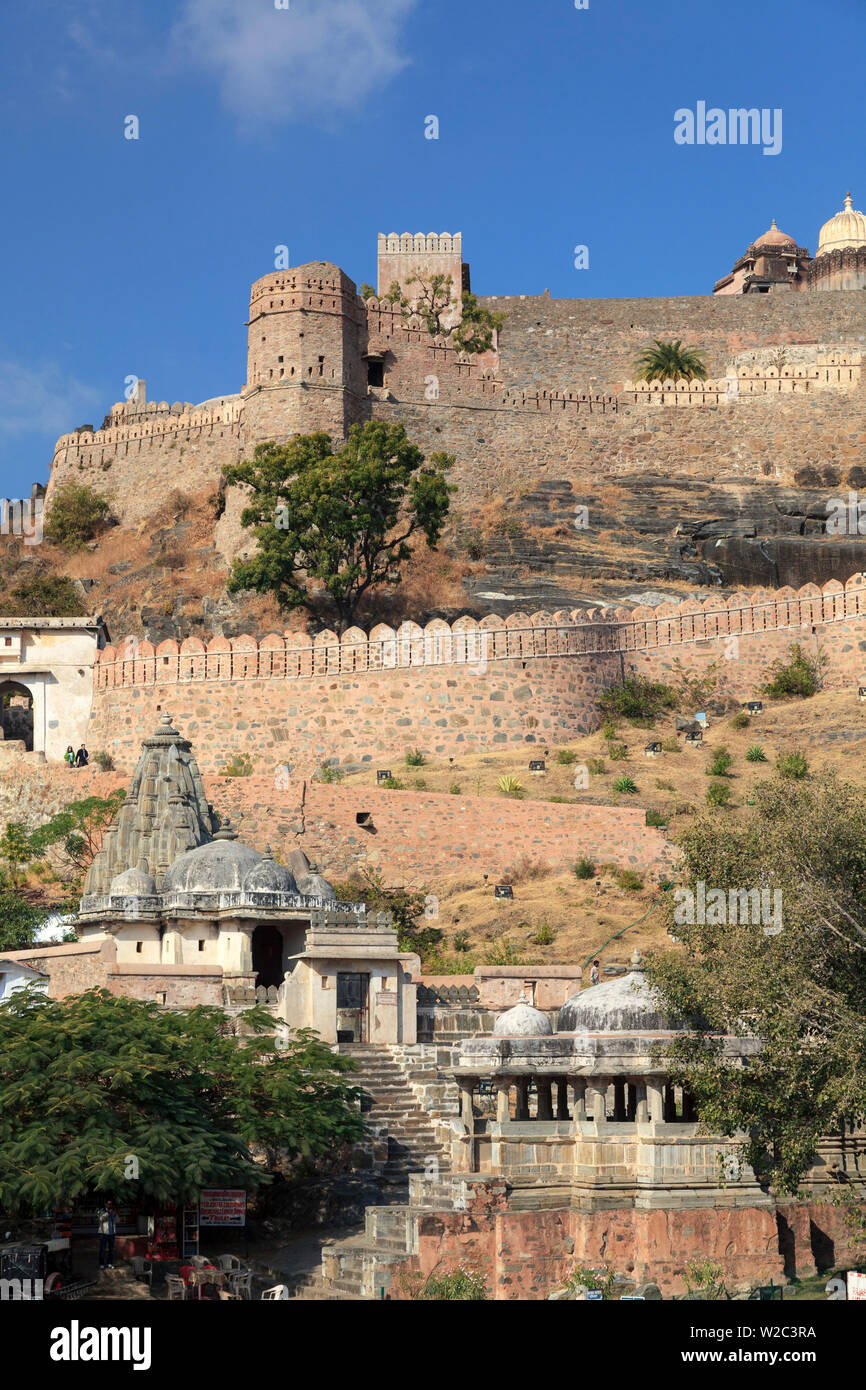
(554, 397)
(450, 689)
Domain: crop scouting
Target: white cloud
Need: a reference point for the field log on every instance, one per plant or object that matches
(317, 58)
(42, 400)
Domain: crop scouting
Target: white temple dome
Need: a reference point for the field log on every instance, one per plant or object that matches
(846, 229)
(220, 866)
(523, 1021)
(625, 1005)
(133, 883)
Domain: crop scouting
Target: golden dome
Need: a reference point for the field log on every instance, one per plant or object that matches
(774, 238)
(847, 228)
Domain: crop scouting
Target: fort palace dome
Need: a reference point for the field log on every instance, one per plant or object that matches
(846, 230)
(774, 237)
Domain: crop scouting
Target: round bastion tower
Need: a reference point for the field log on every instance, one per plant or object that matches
(305, 369)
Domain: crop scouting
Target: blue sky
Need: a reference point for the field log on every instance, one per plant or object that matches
(304, 126)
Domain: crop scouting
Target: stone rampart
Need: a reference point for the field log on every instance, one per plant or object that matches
(450, 689)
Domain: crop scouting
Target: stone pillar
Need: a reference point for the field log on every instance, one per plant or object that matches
(642, 1113)
(503, 1099)
(562, 1099)
(522, 1112)
(466, 1085)
(596, 1099)
(545, 1103)
(655, 1099)
(579, 1085)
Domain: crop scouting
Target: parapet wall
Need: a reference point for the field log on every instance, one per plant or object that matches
(286, 700)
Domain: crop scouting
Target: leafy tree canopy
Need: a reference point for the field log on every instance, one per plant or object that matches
(91, 1082)
(416, 930)
(434, 302)
(20, 917)
(44, 596)
(75, 833)
(76, 515)
(330, 526)
(670, 361)
(801, 992)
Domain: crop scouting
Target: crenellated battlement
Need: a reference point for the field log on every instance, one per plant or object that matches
(470, 643)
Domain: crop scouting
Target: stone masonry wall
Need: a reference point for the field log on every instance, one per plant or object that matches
(549, 400)
(291, 703)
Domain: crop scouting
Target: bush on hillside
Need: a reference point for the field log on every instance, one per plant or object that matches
(77, 515)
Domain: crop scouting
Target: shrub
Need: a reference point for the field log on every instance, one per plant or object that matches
(545, 935)
(626, 785)
(240, 765)
(504, 954)
(740, 720)
(566, 756)
(584, 868)
(596, 766)
(393, 784)
(608, 728)
(511, 786)
(44, 596)
(718, 794)
(704, 1276)
(526, 869)
(719, 763)
(415, 758)
(454, 789)
(656, 818)
(460, 941)
(581, 1277)
(617, 752)
(327, 773)
(104, 761)
(475, 549)
(627, 878)
(664, 786)
(420, 784)
(455, 1285)
(799, 675)
(671, 745)
(637, 699)
(77, 515)
(792, 765)
(756, 754)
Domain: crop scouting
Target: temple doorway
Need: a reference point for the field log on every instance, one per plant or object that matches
(268, 956)
(353, 1012)
(16, 713)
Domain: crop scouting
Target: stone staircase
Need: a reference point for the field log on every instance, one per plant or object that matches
(412, 1142)
(364, 1266)
(412, 1104)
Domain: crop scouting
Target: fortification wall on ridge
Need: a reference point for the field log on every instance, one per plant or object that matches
(548, 401)
(523, 680)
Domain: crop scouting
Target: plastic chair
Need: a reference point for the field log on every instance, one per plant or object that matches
(279, 1291)
(229, 1262)
(143, 1269)
(176, 1287)
(241, 1282)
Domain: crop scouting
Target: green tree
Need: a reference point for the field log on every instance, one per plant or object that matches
(330, 526)
(44, 596)
(670, 361)
(800, 675)
(800, 991)
(75, 833)
(76, 515)
(90, 1082)
(21, 916)
(410, 908)
(434, 302)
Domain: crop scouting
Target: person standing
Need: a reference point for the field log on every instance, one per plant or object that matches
(106, 1219)
(594, 975)
(82, 757)
(69, 756)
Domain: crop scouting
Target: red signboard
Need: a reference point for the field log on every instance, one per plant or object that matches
(223, 1206)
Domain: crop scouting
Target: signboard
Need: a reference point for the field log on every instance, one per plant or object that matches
(503, 890)
(593, 1296)
(538, 765)
(383, 774)
(856, 1285)
(223, 1206)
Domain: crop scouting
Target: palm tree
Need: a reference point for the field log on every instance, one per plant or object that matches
(668, 361)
